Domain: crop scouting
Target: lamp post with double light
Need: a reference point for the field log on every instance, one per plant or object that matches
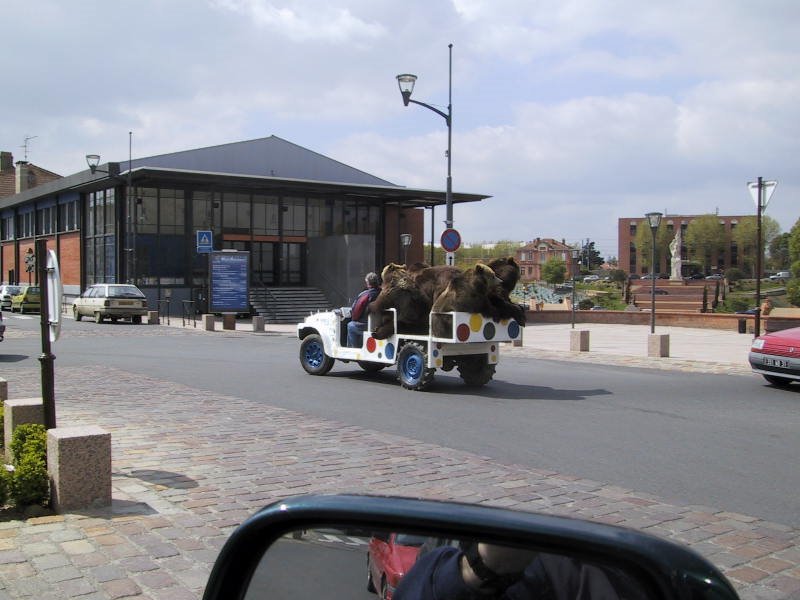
(573, 268)
(406, 83)
(654, 220)
(762, 192)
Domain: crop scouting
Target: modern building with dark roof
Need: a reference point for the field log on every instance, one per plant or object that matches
(306, 220)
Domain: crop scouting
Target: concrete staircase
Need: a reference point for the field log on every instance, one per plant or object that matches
(680, 295)
(287, 305)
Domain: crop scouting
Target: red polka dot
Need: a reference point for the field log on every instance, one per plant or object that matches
(371, 344)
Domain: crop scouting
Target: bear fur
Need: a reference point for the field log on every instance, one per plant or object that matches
(416, 290)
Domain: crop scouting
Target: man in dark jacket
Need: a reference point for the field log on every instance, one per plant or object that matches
(358, 312)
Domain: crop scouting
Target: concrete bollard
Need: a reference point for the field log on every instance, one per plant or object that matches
(258, 323)
(579, 340)
(152, 317)
(79, 466)
(658, 345)
(18, 412)
(229, 321)
(209, 321)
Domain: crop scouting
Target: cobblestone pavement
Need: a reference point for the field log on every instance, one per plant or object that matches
(188, 466)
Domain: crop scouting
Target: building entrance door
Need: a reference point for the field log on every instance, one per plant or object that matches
(292, 264)
(274, 263)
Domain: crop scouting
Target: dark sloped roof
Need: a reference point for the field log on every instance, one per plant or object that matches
(271, 157)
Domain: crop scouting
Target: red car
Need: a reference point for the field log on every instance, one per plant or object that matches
(776, 356)
(389, 557)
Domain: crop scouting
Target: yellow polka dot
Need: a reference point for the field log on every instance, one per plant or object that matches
(438, 362)
(475, 322)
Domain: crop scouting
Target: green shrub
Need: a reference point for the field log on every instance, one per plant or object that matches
(733, 274)
(5, 484)
(31, 483)
(28, 433)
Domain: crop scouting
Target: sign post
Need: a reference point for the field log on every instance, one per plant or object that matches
(230, 282)
(450, 241)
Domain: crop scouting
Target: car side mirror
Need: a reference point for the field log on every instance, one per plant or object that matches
(324, 546)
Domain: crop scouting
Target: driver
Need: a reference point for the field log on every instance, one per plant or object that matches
(358, 312)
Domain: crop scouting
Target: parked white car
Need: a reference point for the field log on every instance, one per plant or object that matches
(111, 301)
(781, 276)
(591, 278)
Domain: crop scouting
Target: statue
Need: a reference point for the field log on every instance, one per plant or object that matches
(675, 250)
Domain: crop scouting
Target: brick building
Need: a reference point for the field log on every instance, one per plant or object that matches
(631, 261)
(534, 254)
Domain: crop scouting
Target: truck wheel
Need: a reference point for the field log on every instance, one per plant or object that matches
(313, 357)
(136, 319)
(475, 370)
(371, 367)
(412, 370)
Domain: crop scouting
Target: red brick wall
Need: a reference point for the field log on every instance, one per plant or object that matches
(69, 257)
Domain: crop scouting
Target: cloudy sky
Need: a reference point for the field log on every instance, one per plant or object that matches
(570, 113)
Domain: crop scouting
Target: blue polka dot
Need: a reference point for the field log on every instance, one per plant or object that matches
(513, 329)
(389, 351)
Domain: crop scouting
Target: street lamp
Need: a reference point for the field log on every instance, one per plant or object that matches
(761, 191)
(575, 253)
(654, 219)
(405, 241)
(406, 83)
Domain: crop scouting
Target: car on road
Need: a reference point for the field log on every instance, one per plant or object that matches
(6, 293)
(714, 277)
(591, 278)
(113, 301)
(781, 276)
(776, 356)
(389, 557)
(29, 299)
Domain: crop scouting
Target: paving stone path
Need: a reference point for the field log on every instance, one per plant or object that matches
(188, 466)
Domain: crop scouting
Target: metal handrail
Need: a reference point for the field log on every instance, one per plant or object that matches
(188, 309)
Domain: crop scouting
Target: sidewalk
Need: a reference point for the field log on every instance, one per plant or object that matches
(183, 478)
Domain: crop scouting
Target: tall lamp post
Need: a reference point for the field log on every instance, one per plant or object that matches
(406, 83)
(405, 242)
(654, 220)
(761, 191)
(575, 252)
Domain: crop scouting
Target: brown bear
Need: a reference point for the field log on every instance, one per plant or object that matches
(509, 273)
(399, 291)
(468, 291)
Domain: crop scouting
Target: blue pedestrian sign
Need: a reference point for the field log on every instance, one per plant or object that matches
(205, 242)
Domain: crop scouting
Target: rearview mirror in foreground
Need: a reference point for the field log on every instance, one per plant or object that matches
(360, 546)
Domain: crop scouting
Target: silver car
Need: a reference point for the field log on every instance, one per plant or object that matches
(6, 291)
(111, 301)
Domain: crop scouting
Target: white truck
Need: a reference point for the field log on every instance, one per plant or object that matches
(472, 345)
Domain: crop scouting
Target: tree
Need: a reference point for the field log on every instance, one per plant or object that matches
(779, 252)
(745, 235)
(705, 240)
(554, 271)
(644, 242)
(590, 257)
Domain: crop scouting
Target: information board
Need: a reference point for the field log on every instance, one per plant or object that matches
(230, 282)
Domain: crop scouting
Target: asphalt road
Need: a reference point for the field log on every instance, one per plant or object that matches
(728, 442)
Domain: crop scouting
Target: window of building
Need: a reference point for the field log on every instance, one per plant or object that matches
(293, 211)
(7, 227)
(632, 230)
(265, 215)
(68, 216)
(172, 212)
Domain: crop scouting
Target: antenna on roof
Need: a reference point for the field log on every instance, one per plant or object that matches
(28, 138)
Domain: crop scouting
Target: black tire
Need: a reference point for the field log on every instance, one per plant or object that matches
(98, 318)
(370, 582)
(371, 367)
(313, 357)
(475, 370)
(778, 381)
(412, 370)
(76, 313)
(137, 319)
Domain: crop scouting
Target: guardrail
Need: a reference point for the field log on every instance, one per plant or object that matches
(188, 313)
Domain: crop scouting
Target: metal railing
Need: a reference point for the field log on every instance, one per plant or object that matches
(188, 313)
(161, 311)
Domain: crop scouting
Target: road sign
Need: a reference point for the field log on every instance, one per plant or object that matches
(450, 240)
(53, 296)
(450, 259)
(205, 242)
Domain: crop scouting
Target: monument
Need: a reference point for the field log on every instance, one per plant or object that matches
(675, 250)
